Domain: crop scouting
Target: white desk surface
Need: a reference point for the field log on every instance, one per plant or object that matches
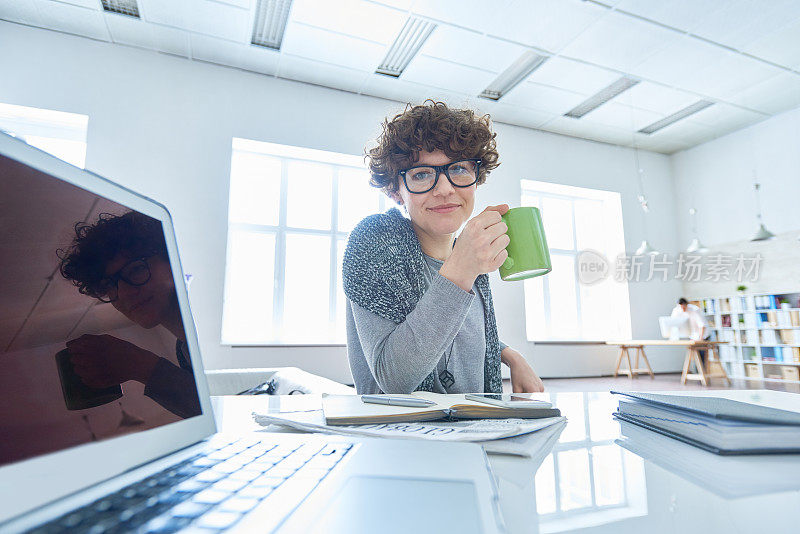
(601, 478)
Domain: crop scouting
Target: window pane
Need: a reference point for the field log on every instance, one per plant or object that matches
(598, 321)
(563, 309)
(536, 327)
(357, 198)
(557, 218)
(529, 199)
(255, 189)
(571, 406)
(573, 473)
(546, 487)
(341, 300)
(247, 315)
(309, 195)
(73, 152)
(602, 426)
(590, 225)
(306, 309)
(609, 481)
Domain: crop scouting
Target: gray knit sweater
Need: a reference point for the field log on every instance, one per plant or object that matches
(384, 272)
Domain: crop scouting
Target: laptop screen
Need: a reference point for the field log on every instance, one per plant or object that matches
(91, 338)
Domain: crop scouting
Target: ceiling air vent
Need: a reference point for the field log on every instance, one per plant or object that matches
(270, 23)
(408, 42)
(594, 102)
(675, 117)
(517, 72)
(123, 7)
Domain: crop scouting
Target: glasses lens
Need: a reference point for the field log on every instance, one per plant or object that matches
(463, 172)
(420, 178)
(136, 273)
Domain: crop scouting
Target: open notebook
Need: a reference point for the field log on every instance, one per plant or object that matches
(351, 410)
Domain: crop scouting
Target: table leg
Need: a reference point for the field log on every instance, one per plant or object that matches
(630, 368)
(646, 362)
(698, 362)
(636, 359)
(619, 360)
(686, 363)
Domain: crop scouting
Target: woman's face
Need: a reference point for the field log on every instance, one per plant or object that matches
(150, 304)
(442, 210)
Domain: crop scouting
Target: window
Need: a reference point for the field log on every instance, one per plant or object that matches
(56, 132)
(290, 212)
(558, 306)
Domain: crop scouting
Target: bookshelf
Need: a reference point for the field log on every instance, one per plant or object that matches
(762, 331)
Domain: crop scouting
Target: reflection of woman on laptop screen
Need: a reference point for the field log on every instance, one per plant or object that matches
(123, 260)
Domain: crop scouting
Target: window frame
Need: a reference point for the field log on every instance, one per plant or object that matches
(286, 154)
(541, 190)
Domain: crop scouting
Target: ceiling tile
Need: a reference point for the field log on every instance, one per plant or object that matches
(777, 94)
(724, 117)
(357, 18)
(573, 76)
(72, 19)
(88, 4)
(686, 132)
(679, 61)
(619, 42)
(542, 98)
(22, 12)
(726, 78)
(518, 115)
(594, 132)
(781, 47)
(655, 97)
(201, 16)
(134, 32)
(260, 59)
(621, 116)
(449, 76)
(471, 49)
(219, 51)
(396, 89)
(546, 24)
(329, 47)
(324, 74)
(474, 14)
(740, 22)
(682, 14)
(397, 4)
(664, 146)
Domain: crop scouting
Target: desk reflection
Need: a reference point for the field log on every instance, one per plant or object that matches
(601, 477)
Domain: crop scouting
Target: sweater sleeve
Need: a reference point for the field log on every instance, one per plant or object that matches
(400, 356)
(174, 389)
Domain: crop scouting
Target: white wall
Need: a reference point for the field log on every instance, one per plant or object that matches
(163, 125)
(718, 178)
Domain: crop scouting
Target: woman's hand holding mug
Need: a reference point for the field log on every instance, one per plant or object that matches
(479, 249)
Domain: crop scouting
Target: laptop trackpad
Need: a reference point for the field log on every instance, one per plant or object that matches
(377, 504)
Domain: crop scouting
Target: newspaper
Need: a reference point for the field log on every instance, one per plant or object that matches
(500, 436)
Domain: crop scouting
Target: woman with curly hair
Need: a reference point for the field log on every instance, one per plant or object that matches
(420, 313)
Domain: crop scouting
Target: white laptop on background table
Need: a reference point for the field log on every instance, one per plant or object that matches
(144, 457)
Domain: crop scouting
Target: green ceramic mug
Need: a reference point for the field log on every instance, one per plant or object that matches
(528, 255)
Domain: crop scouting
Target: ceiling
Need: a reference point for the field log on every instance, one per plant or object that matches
(742, 55)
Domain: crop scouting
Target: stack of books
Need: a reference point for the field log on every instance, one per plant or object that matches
(721, 424)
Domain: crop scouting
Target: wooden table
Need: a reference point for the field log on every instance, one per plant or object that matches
(693, 347)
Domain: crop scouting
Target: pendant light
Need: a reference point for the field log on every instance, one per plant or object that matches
(645, 248)
(762, 234)
(695, 247)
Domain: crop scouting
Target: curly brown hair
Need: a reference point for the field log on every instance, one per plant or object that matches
(459, 133)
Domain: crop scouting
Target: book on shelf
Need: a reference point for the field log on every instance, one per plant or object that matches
(727, 423)
(351, 410)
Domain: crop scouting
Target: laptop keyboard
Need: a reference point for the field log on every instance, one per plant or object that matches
(209, 492)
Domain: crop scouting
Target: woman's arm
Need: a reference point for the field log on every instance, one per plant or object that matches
(523, 378)
(400, 356)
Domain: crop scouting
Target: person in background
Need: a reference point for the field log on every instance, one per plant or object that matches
(698, 325)
(419, 308)
(123, 260)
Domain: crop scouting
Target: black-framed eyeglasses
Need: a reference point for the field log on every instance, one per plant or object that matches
(134, 273)
(423, 178)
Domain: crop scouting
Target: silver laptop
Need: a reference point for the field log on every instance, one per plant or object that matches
(105, 416)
